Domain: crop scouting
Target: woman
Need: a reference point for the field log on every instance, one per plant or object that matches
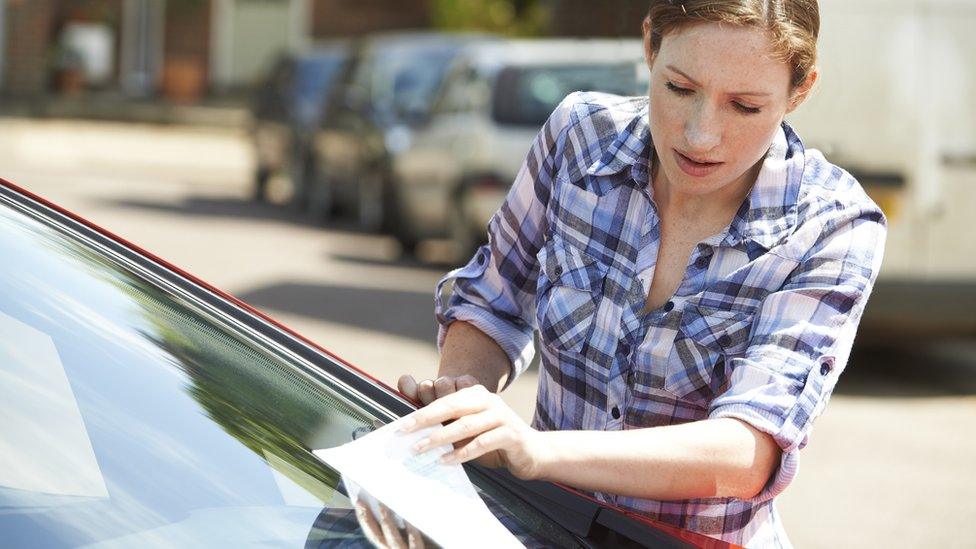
(695, 274)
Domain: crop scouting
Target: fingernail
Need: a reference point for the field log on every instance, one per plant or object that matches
(420, 446)
(447, 459)
(408, 425)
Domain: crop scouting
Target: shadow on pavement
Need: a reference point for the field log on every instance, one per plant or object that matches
(943, 369)
(396, 312)
(232, 207)
(214, 207)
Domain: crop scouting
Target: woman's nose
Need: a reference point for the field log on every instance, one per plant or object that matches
(703, 130)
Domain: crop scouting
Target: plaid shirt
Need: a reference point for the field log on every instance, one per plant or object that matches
(759, 329)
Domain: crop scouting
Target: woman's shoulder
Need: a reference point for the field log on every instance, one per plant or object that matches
(598, 116)
(830, 189)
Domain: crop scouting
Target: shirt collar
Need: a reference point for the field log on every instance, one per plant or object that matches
(769, 212)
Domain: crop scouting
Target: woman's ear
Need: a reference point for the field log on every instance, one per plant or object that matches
(802, 91)
(646, 31)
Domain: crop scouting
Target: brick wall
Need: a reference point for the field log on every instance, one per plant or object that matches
(343, 18)
(29, 25)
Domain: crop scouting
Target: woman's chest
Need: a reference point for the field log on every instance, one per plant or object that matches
(599, 270)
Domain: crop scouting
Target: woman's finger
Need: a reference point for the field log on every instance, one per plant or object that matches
(408, 386)
(369, 525)
(414, 539)
(496, 439)
(390, 529)
(444, 386)
(466, 381)
(466, 427)
(425, 392)
(464, 402)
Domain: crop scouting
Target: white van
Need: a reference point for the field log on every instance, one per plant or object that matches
(896, 106)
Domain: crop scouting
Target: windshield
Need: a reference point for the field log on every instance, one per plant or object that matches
(526, 96)
(407, 78)
(313, 76)
(135, 415)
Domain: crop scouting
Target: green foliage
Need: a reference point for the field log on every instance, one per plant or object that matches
(506, 17)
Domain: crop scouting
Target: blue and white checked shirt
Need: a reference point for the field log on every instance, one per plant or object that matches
(759, 329)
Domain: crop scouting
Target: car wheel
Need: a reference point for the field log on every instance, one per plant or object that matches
(464, 239)
(259, 190)
(371, 202)
(321, 201)
(299, 174)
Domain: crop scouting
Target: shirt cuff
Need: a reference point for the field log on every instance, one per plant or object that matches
(776, 406)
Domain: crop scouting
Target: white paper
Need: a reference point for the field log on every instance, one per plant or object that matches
(437, 499)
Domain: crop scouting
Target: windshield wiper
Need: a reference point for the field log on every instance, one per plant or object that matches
(592, 524)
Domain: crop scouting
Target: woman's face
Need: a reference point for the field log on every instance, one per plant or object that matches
(717, 97)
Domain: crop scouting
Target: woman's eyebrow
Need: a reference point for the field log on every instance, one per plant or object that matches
(693, 81)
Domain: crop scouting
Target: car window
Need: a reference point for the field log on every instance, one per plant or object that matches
(313, 78)
(525, 96)
(134, 414)
(406, 79)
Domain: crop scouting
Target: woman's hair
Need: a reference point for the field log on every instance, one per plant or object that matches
(793, 25)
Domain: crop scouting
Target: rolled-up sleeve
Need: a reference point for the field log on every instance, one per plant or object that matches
(496, 290)
(802, 335)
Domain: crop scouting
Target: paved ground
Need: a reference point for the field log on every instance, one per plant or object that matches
(889, 464)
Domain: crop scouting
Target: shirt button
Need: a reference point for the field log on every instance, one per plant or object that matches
(615, 412)
(824, 369)
(724, 341)
(481, 259)
(558, 271)
(668, 306)
(703, 261)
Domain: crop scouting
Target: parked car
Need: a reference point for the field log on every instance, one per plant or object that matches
(383, 98)
(459, 167)
(287, 109)
(143, 407)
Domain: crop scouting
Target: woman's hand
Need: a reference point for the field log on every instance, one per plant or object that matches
(384, 532)
(484, 429)
(430, 390)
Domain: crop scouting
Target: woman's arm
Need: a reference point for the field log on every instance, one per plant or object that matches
(709, 458)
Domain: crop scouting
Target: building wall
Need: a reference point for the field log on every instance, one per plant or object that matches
(345, 18)
(608, 18)
(28, 28)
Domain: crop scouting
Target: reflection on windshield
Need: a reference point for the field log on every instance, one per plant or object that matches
(45, 434)
(172, 427)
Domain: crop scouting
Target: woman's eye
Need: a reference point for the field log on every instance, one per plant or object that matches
(744, 109)
(678, 90)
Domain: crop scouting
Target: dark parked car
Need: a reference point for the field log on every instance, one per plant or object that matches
(288, 107)
(382, 99)
(142, 407)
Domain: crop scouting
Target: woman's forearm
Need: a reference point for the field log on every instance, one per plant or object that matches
(468, 351)
(711, 458)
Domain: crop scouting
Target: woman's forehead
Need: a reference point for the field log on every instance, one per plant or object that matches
(727, 57)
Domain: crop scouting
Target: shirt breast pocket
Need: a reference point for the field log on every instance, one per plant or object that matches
(569, 294)
(697, 369)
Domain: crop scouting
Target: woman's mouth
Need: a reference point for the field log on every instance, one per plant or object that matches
(695, 168)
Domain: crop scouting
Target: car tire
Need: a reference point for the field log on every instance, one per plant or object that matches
(321, 201)
(371, 203)
(300, 177)
(259, 189)
(463, 238)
